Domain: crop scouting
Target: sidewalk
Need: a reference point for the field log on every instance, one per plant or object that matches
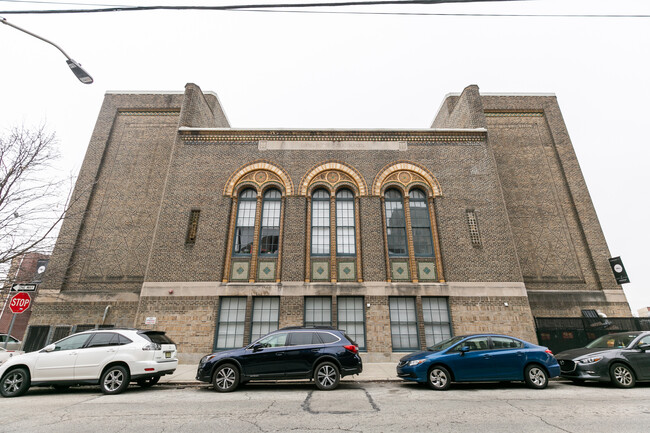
(185, 374)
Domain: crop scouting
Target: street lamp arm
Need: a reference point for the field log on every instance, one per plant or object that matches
(81, 74)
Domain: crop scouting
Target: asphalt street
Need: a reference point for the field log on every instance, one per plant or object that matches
(353, 407)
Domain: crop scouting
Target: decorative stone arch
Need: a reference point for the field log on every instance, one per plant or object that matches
(406, 175)
(259, 174)
(334, 174)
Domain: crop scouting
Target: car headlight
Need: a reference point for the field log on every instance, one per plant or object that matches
(206, 358)
(590, 360)
(416, 362)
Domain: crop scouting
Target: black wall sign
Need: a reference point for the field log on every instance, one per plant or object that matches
(619, 270)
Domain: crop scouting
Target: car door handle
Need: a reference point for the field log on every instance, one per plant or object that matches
(279, 353)
(72, 353)
(486, 356)
(315, 350)
(520, 353)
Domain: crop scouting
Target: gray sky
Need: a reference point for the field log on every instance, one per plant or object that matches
(298, 70)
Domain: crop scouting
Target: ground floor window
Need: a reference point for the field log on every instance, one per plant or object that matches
(318, 311)
(230, 325)
(437, 326)
(351, 319)
(266, 316)
(403, 323)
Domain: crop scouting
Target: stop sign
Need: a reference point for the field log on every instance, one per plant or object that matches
(20, 302)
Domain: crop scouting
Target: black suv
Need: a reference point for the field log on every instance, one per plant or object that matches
(323, 354)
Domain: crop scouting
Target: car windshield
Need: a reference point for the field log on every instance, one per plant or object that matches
(445, 344)
(612, 341)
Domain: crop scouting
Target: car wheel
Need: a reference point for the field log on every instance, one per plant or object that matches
(439, 378)
(535, 376)
(114, 380)
(622, 376)
(15, 383)
(146, 382)
(226, 378)
(327, 376)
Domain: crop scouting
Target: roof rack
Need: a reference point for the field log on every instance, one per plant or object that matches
(308, 327)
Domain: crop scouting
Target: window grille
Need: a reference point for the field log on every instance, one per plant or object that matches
(320, 223)
(472, 223)
(345, 243)
(395, 223)
(270, 230)
(318, 311)
(420, 224)
(403, 323)
(351, 318)
(230, 328)
(437, 326)
(193, 226)
(266, 316)
(60, 332)
(245, 224)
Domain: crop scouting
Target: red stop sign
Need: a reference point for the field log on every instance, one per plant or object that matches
(20, 302)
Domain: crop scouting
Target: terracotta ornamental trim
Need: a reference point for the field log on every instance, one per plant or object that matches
(268, 138)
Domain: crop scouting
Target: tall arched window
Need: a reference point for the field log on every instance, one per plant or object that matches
(345, 243)
(420, 224)
(320, 223)
(270, 229)
(395, 223)
(245, 225)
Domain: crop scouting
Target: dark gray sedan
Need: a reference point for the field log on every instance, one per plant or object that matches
(621, 358)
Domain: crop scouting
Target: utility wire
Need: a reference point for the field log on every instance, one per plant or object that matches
(447, 14)
(269, 8)
(249, 6)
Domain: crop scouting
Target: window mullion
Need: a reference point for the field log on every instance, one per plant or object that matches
(409, 239)
(256, 240)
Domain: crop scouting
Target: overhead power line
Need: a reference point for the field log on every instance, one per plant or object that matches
(271, 6)
(248, 6)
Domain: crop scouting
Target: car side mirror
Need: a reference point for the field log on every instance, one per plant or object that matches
(464, 350)
(49, 347)
(257, 347)
(644, 347)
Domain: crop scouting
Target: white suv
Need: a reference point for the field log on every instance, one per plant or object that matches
(109, 357)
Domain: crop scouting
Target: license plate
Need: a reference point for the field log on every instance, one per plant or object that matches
(168, 354)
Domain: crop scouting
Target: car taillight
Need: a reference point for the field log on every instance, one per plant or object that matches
(352, 348)
(152, 346)
(549, 351)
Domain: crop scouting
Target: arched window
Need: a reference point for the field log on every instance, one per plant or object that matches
(245, 224)
(320, 223)
(270, 229)
(420, 224)
(395, 223)
(345, 243)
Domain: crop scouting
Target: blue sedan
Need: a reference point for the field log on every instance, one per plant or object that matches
(480, 358)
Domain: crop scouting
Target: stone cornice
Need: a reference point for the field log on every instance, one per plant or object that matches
(412, 137)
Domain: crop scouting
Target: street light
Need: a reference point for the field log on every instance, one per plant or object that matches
(79, 72)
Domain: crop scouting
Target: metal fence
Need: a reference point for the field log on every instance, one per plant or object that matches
(563, 333)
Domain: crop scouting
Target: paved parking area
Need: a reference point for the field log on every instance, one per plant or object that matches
(355, 406)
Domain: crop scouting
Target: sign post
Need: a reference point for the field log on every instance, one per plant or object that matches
(19, 303)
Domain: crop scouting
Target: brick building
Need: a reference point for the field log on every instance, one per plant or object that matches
(401, 237)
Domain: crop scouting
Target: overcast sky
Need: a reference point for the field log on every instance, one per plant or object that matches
(317, 70)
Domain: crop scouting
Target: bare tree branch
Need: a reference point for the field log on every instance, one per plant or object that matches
(34, 197)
